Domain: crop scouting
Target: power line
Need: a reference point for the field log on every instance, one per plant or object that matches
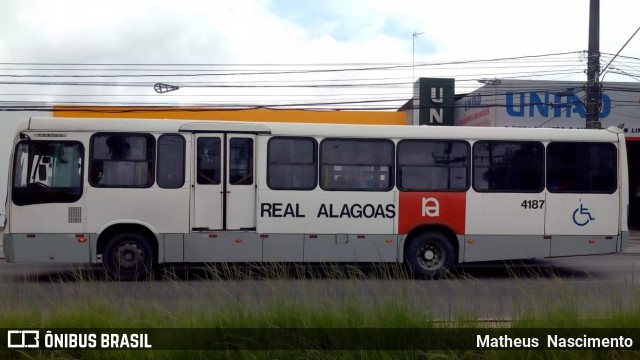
(284, 64)
(332, 91)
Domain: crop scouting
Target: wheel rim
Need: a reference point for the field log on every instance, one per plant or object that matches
(431, 256)
(129, 255)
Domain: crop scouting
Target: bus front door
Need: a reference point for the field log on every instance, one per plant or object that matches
(224, 193)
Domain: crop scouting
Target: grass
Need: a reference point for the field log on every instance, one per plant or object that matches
(300, 297)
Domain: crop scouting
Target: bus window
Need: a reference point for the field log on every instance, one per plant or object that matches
(171, 148)
(508, 166)
(581, 167)
(432, 165)
(121, 160)
(47, 172)
(356, 164)
(241, 161)
(292, 163)
(208, 166)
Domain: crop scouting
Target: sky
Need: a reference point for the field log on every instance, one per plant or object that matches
(251, 52)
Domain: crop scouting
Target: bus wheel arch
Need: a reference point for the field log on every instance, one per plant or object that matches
(129, 251)
(430, 251)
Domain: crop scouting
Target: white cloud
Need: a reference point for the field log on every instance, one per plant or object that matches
(280, 31)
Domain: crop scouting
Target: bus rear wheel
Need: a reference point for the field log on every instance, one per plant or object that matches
(430, 255)
(128, 256)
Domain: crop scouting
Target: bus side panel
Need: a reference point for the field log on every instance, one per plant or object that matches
(282, 247)
(375, 248)
(329, 248)
(499, 226)
(505, 247)
(222, 247)
(565, 245)
(53, 218)
(166, 210)
(504, 214)
(46, 248)
(350, 247)
(578, 222)
(173, 245)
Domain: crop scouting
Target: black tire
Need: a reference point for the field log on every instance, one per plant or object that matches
(128, 256)
(430, 255)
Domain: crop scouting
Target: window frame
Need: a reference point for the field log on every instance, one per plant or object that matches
(72, 199)
(615, 172)
(316, 162)
(229, 161)
(382, 140)
(152, 170)
(467, 172)
(543, 167)
(196, 160)
(158, 163)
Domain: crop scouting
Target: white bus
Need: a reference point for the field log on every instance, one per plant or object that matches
(131, 194)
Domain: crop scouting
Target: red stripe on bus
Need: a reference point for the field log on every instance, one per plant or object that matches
(432, 208)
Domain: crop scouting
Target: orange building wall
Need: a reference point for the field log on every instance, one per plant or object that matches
(259, 115)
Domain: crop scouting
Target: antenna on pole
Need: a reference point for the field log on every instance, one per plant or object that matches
(413, 54)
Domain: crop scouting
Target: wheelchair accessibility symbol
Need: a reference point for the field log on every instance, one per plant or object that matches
(582, 216)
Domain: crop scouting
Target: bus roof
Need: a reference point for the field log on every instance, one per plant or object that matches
(318, 130)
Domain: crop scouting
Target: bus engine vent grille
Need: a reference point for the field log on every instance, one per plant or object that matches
(75, 215)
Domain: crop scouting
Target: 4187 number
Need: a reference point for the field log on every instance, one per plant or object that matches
(532, 204)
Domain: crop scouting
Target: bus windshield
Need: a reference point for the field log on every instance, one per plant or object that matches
(47, 171)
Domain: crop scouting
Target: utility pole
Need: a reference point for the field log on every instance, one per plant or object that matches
(593, 67)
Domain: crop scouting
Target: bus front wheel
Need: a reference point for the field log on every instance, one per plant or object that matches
(430, 255)
(128, 256)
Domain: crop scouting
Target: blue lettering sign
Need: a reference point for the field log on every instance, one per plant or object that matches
(606, 106)
(538, 103)
(510, 107)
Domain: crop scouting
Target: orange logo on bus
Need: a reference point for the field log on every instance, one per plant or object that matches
(442, 208)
